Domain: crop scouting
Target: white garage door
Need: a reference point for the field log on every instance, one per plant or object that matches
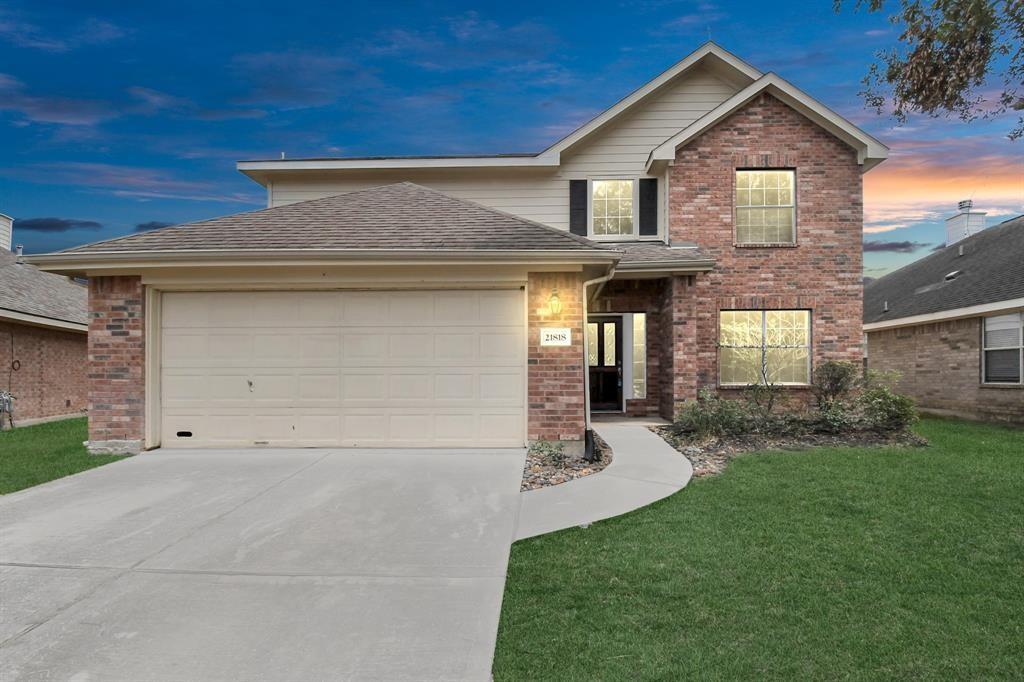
(353, 368)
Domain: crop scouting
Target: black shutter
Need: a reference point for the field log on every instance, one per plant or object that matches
(648, 207)
(578, 207)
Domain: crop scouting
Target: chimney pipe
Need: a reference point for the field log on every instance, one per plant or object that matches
(18, 254)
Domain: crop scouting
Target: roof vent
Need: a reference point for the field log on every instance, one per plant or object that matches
(19, 254)
(960, 250)
(953, 275)
(885, 306)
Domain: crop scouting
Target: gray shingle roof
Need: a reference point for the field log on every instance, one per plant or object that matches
(399, 216)
(991, 270)
(641, 254)
(24, 289)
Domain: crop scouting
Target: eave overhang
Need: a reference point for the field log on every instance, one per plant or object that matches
(80, 263)
(870, 152)
(19, 317)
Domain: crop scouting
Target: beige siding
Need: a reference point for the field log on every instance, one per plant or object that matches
(621, 148)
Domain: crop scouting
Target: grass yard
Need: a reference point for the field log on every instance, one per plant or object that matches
(30, 455)
(827, 564)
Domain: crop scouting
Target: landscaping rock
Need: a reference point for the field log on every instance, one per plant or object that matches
(540, 473)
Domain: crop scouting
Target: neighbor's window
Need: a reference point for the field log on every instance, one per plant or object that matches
(1003, 349)
(639, 355)
(612, 207)
(765, 207)
(764, 346)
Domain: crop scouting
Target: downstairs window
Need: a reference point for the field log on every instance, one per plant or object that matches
(1002, 354)
(764, 346)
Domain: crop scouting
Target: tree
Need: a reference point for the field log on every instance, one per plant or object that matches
(947, 51)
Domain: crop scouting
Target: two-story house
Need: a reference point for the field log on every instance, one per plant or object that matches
(701, 232)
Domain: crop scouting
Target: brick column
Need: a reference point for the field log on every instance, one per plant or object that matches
(116, 365)
(679, 359)
(555, 373)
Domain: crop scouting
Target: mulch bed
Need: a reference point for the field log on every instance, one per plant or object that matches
(710, 456)
(540, 473)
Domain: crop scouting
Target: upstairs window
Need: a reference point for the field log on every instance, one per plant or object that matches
(765, 207)
(1003, 349)
(612, 205)
(764, 346)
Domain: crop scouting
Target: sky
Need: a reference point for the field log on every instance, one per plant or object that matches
(117, 117)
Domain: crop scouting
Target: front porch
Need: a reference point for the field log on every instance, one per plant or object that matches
(642, 350)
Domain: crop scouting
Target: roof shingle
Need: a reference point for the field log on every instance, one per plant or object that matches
(399, 216)
(24, 289)
(991, 269)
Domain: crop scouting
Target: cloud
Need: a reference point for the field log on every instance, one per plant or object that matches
(705, 14)
(23, 33)
(125, 181)
(46, 109)
(893, 247)
(296, 79)
(151, 225)
(55, 224)
(154, 101)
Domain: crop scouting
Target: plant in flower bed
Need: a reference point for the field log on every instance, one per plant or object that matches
(548, 464)
(849, 409)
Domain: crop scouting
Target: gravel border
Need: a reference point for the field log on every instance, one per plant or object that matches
(710, 456)
(539, 473)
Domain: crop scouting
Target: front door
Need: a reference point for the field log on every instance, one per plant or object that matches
(604, 356)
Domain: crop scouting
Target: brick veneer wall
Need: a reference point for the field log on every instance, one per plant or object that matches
(821, 273)
(555, 373)
(51, 376)
(940, 367)
(116, 363)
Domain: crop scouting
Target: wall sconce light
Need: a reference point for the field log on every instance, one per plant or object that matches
(554, 303)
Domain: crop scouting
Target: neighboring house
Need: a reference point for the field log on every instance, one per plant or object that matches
(710, 220)
(43, 324)
(952, 323)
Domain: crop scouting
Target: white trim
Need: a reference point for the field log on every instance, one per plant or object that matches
(870, 152)
(707, 49)
(39, 321)
(631, 237)
(543, 160)
(954, 314)
(153, 324)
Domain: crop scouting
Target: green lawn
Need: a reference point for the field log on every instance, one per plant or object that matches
(30, 455)
(839, 563)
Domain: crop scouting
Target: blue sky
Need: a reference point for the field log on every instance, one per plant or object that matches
(118, 116)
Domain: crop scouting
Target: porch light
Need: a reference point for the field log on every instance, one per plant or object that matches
(554, 303)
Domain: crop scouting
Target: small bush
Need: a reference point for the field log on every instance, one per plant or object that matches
(711, 415)
(834, 383)
(763, 398)
(886, 410)
(834, 418)
(552, 452)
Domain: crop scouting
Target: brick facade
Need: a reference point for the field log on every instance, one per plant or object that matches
(116, 363)
(50, 380)
(555, 373)
(822, 272)
(940, 367)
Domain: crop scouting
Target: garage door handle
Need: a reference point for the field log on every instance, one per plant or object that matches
(249, 381)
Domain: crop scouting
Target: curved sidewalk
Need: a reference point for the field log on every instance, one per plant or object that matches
(644, 469)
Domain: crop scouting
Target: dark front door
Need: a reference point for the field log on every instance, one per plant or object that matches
(604, 355)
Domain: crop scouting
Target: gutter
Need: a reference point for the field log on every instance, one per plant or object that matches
(588, 432)
(668, 266)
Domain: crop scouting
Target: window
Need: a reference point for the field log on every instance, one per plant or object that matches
(759, 346)
(765, 207)
(639, 355)
(1002, 352)
(612, 207)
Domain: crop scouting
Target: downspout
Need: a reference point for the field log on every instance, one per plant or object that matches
(588, 433)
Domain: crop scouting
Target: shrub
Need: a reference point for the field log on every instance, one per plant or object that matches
(834, 382)
(834, 418)
(762, 399)
(552, 452)
(712, 415)
(886, 410)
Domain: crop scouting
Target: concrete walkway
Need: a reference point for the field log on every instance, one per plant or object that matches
(260, 565)
(644, 469)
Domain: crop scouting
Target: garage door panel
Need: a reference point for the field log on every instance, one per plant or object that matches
(343, 368)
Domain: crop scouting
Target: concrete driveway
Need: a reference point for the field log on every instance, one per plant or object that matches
(260, 565)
